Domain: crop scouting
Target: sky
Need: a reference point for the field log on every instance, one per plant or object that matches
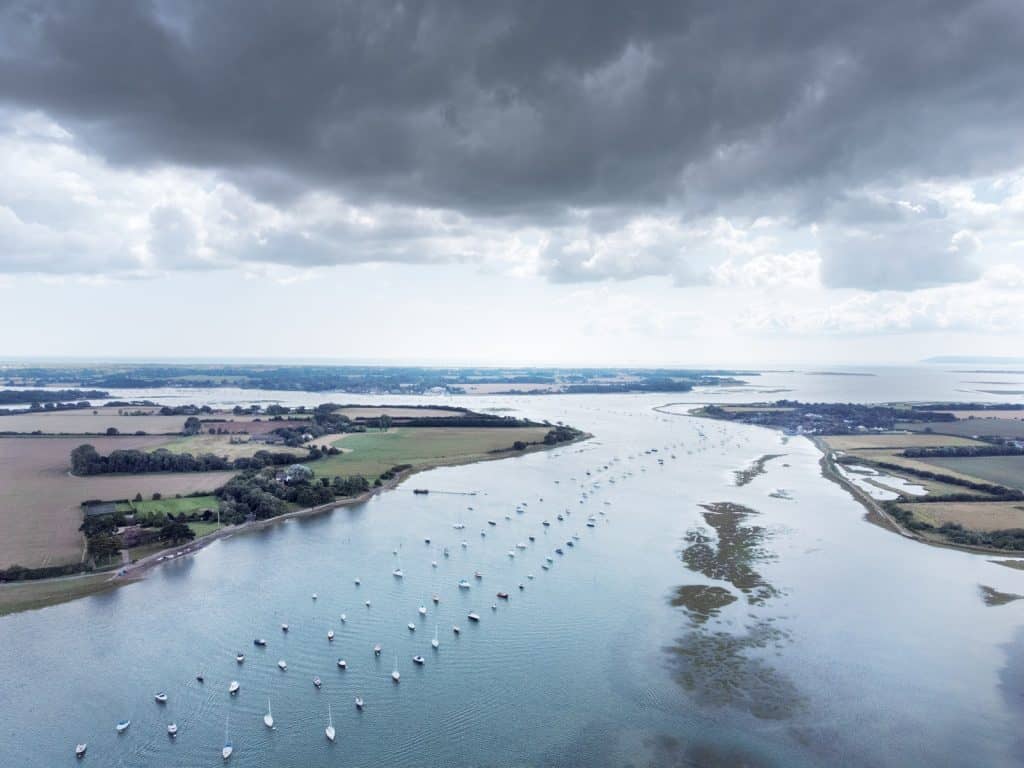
(644, 183)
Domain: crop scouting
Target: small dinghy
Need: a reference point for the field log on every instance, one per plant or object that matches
(359, 702)
(455, 629)
(342, 664)
(284, 627)
(122, 725)
(314, 595)
(418, 660)
(80, 750)
(473, 617)
(233, 688)
(317, 683)
(436, 599)
(412, 627)
(161, 698)
(477, 575)
(463, 584)
(367, 603)
(172, 729)
(282, 665)
(357, 581)
(239, 657)
(503, 595)
(259, 641)
(376, 650)
(200, 678)
(343, 618)
(423, 610)
(330, 634)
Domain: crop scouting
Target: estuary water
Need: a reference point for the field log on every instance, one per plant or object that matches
(697, 623)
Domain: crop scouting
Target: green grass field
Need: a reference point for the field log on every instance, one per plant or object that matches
(1004, 470)
(372, 453)
(188, 505)
(204, 529)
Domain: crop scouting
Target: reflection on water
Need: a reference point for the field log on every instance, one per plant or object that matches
(723, 668)
(731, 555)
(701, 601)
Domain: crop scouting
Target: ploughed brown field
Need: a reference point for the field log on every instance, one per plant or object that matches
(90, 421)
(39, 499)
(973, 515)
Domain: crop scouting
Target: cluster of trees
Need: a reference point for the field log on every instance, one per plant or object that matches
(86, 460)
(561, 434)
(185, 410)
(325, 421)
(825, 418)
(262, 495)
(56, 396)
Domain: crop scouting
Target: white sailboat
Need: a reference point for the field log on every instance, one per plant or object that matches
(268, 719)
(395, 675)
(435, 642)
(329, 730)
(228, 746)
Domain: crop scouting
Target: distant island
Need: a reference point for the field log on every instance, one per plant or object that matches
(975, 359)
(360, 379)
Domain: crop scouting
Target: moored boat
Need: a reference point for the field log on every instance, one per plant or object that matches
(80, 749)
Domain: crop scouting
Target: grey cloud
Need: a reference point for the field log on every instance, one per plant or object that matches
(532, 110)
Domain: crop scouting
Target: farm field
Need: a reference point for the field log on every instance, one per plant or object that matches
(971, 427)
(40, 501)
(1004, 470)
(372, 453)
(891, 440)
(1017, 415)
(247, 424)
(221, 445)
(90, 421)
(973, 515)
(893, 457)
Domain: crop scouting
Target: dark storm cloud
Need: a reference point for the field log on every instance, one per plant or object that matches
(535, 109)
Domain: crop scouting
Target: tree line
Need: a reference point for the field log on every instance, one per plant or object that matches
(86, 460)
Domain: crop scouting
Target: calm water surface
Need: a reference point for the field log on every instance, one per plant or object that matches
(827, 641)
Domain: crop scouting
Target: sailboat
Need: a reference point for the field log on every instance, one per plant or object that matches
(397, 573)
(228, 747)
(80, 749)
(268, 719)
(172, 729)
(233, 688)
(395, 675)
(329, 730)
(435, 642)
(359, 702)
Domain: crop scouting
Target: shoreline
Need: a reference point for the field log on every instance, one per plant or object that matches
(876, 514)
(136, 571)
